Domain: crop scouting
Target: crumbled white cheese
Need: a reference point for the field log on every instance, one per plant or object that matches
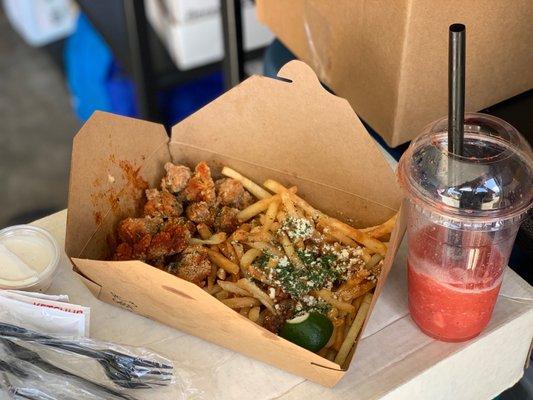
(272, 293)
(283, 262)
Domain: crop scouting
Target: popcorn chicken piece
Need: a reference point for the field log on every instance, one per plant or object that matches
(194, 264)
(201, 186)
(200, 213)
(176, 178)
(226, 219)
(162, 204)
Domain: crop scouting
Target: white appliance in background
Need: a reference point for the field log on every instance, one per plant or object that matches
(40, 22)
(192, 30)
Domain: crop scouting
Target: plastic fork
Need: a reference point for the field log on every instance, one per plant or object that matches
(124, 370)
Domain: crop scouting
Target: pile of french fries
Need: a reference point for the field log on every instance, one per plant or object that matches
(233, 276)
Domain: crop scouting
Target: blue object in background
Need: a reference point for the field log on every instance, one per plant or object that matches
(121, 92)
(182, 100)
(87, 62)
(97, 82)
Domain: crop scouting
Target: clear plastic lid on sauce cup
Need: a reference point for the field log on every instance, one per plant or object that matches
(29, 257)
(487, 188)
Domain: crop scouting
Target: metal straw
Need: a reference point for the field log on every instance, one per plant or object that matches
(456, 113)
(456, 88)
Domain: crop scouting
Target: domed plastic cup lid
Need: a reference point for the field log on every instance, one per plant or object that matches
(486, 187)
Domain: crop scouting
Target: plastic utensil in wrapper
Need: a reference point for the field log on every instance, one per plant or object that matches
(462, 225)
(28, 258)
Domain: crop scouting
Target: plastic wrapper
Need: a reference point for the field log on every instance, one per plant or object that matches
(37, 366)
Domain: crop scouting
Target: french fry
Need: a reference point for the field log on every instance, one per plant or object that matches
(289, 251)
(339, 336)
(331, 338)
(360, 237)
(239, 250)
(221, 274)
(365, 255)
(249, 185)
(253, 272)
(261, 319)
(240, 302)
(354, 330)
(231, 253)
(260, 236)
(248, 285)
(356, 303)
(328, 297)
(288, 204)
(204, 231)
(244, 311)
(280, 216)
(374, 261)
(347, 323)
(357, 291)
(231, 287)
(331, 354)
(222, 262)
(333, 313)
(274, 186)
(249, 257)
(222, 248)
(264, 246)
(253, 315)
(382, 230)
(217, 238)
(272, 263)
(354, 280)
(270, 215)
(216, 289)
(323, 351)
(222, 295)
(211, 278)
(256, 208)
(339, 236)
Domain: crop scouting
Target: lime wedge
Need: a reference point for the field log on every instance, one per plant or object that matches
(310, 330)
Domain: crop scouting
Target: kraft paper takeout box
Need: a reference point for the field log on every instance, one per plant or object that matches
(291, 130)
(389, 59)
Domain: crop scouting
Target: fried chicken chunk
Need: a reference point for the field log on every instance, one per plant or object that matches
(201, 186)
(176, 178)
(162, 204)
(230, 192)
(194, 265)
(285, 311)
(200, 213)
(226, 219)
(173, 238)
(144, 239)
(131, 230)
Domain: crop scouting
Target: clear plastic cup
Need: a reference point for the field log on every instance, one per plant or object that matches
(29, 257)
(463, 216)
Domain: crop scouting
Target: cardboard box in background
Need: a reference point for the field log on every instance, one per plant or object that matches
(188, 10)
(192, 31)
(40, 22)
(389, 58)
(264, 128)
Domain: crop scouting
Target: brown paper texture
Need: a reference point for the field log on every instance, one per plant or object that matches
(291, 130)
(389, 58)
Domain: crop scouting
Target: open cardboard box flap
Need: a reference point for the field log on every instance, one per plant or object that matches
(291, 130)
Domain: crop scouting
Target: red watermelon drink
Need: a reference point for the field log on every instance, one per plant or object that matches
(463, 213)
